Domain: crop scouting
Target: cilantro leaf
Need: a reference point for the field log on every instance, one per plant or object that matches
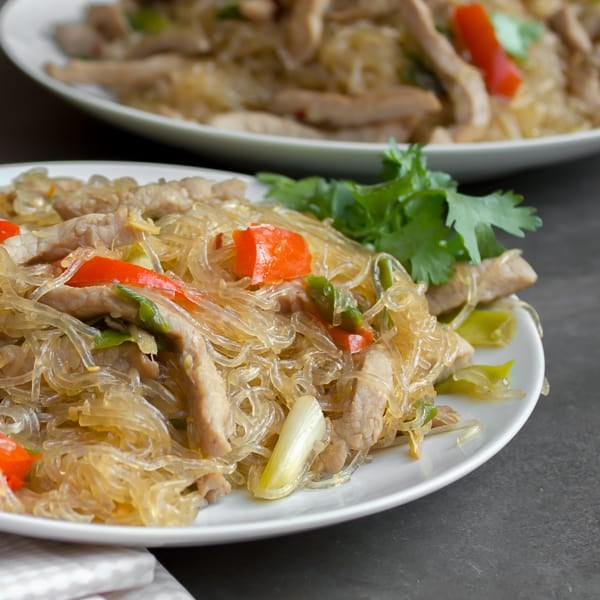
(516, 34)
(415, 214)
(473, 219)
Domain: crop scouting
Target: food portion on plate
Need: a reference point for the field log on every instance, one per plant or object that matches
(360, 71)
(163, 343)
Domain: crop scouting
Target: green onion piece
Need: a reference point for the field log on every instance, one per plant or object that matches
(148, 20)
(303, 429)
(111, 338)
(148, 312)
(331, 300)
(431, 412)
(482, 382)
(491, 328)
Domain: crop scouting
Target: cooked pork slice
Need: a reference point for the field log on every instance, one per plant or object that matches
(440, 135)
(339, 110)
(262, 122)
(152, 200)
(584, 82)
(56, 241)
(462, 357)
(571, 30)
(399, 129)
(126, 357)
(205, 390)
(356, 10)
(108, 19)
(361, 423)
(188, 42)
(159, 199)
(118, 73)
(79, 40)
(229, 189)
(257, 10)
(15, 360)
(80, 200)
(463, 82)
(213, 486)
(291, 297)
(90, 302)
(492, 279)
(304, 29)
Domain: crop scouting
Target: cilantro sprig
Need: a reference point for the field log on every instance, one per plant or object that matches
(415, 214)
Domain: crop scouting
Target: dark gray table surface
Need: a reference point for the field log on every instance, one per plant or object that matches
(523, 526)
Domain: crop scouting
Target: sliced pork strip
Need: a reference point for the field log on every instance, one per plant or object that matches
(205, 390)
(90, 302)
(339, 110)
(257, 10)
(356, 10)
(462, 357)
(118, 73)
(56, 241)
(15, 360)
(125, 357)
(262, 122)
(79, 39)
(571, 30)
(213, 486)
(156, 200)
(464, 83)
(584, 82)
(152, 200)
(187, 42)
(304, 29)
(291, 296)
(108, 19)
(399, 129)
(85, 199)
(361, 424)
(229, 189)
(494, 278)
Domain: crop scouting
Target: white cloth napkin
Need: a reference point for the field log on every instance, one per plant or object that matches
(46, 570)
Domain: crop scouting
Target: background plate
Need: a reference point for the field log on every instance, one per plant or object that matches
(391, 479)
(26, 37)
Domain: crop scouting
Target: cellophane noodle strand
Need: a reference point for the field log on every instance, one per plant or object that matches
(112, 452)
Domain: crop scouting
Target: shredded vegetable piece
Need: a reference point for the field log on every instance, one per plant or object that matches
(302, 430)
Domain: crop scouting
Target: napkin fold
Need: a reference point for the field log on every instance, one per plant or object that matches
(33, 569)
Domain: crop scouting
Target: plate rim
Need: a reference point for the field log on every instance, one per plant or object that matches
(195, 534)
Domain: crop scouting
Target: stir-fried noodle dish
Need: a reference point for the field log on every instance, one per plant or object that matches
(162, 344)
(423, 71)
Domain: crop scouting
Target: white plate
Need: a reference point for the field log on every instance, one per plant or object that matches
(25, 34)
(391, 479)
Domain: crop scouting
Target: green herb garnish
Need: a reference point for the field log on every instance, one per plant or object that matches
(414, 214)
(515, 34)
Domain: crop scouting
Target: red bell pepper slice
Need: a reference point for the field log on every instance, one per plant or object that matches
(353, 342)
(476, 31)
(8, 229)
(15, 461)
(103, 269)
(268, 254)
